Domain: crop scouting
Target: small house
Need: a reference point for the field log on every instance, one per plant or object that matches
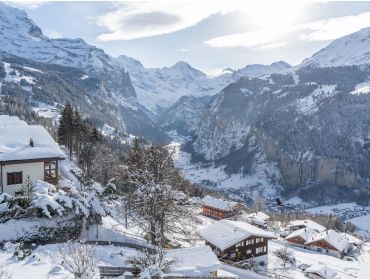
(319, 271)
(329, 242)
(298, 224)
(300, 237)
(194, 262)
(258, 219)
(218, 208)
(26, 150)
(237, 240)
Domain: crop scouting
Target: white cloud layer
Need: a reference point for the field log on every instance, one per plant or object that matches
(323, 30)
(140, 19)
(334, 28)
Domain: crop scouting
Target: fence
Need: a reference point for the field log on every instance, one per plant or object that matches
(115, 271)
(130, 244)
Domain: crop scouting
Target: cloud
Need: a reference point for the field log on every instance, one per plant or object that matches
(26, 4)
(253, 39)
(334, 28)
(322, 30)
(140, 19)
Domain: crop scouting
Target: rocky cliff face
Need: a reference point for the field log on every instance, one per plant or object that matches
(313, 123)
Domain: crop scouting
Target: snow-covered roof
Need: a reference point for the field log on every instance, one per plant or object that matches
(259, 215)
(219, 203)
(225, 233)
(15, 143)
(352, 239)
(305, 233)
(333, 238)
(306, 223)
(322, 270)
(6, 120)
(193, 261)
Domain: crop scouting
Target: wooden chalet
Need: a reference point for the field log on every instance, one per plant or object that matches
(300, 237)
(26, 150)
(329, 242)
(220, 209)
(235, 240)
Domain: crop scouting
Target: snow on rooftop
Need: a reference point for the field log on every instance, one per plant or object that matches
(219, 203)
(352, 239)
(259, 215)
(225, 233)
(6, 120)
(306, 223)
(333, 238)
(322, 270)
(305, 233)
(193, 261)
(15, 142)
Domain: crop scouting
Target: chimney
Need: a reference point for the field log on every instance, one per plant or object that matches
(31, 143)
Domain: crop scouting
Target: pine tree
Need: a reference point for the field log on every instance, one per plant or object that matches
(65, 128)
(28, 191)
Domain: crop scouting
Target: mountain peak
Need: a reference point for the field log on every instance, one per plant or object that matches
(352, 49)
(16, 20)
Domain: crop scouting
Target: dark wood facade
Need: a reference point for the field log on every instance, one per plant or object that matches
(251, 247)
(215, 213)
(219, 214)
(297, 239)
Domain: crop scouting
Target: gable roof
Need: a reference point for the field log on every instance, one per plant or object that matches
(322, 270)
(332, 237)
(305, 233)
(15, 143)
(193, 261)
(219, 203)
(225, 233)
(306, 223)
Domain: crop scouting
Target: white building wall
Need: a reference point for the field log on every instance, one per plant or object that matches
(34, 169)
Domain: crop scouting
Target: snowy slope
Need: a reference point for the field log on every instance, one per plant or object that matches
(353, 49)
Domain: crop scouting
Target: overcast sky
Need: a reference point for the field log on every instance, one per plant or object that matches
(209, 34)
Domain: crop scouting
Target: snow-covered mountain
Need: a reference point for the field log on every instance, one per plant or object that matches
(311, 121)
(85, 73)
(353, 49)
(159, 88)
(257, 70)
(20, 36)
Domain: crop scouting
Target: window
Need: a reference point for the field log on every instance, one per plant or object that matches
(249, 252)
(50, 170)
(259, 250)
(14, 178)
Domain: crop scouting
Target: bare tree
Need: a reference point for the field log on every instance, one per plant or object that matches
(285, 255)
(79, 259)
(153, 202)
(156, 262)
